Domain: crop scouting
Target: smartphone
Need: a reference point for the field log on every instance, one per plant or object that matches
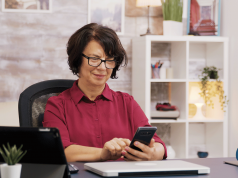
(143, 135)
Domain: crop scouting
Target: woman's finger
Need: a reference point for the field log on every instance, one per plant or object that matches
(142, 146)
(126, 141)
(152, 143)
(118, 148)
(116, 144)
(131, 157)
(110, 147)
(121, 143)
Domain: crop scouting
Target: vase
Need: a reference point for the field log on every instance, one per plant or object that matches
(213, 74)
(170, 152)
(237, 154)
(172, 28)
(11, 171)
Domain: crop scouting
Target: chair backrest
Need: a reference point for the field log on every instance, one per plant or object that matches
(32, 101)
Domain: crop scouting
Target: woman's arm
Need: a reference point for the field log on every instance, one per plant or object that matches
(82, 153)
(112, 150)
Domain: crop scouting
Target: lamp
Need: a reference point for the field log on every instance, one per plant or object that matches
(148, 3)
(195, 98)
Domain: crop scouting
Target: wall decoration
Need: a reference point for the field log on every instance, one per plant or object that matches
(107, 13)
(204, 17)
(37, 6)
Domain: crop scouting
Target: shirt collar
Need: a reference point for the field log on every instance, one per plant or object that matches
(77, 94)
(107, 93)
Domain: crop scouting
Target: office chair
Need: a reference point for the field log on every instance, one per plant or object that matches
(32, 101)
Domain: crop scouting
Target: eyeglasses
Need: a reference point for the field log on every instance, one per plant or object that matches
(95, 62)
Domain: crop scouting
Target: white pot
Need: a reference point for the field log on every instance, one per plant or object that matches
(170, 152)
(172, 28)
(12, 171)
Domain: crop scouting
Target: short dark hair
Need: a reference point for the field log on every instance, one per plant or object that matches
(105, 36)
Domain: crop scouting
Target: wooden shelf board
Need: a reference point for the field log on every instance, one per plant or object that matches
(197, 80)
(166, 121)
(167, 80)
(206, 120)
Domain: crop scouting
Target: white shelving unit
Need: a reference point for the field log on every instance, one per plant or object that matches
(186, 134)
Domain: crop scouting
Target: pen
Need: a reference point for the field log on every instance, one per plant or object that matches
(161, 65)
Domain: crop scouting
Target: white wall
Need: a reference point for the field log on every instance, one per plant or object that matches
(9, 113)
(229, 28)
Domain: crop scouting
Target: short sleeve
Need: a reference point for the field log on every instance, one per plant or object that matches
(54, 117)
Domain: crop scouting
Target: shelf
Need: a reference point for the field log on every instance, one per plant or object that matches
(206, 120)
(206, 137)
(167, 80)
(181, 80)
(198, 80)
(192, 39)
(187, 56)
(167, 121)
(183, 121)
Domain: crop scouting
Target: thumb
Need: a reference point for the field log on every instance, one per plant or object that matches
(152, 143)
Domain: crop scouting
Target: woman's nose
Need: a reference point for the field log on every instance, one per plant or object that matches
(102, 66)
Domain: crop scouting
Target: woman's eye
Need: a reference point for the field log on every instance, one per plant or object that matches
(95, 59)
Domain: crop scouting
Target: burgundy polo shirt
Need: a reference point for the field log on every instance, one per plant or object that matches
(93, 123)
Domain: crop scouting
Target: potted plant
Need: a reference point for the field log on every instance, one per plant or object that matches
(172, 14)
(210, 89)
(11, 156)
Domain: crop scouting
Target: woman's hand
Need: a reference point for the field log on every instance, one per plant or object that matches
(112, 149)
(154, 151)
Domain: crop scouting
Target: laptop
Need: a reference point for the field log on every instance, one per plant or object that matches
(146, 168)
(45, 153)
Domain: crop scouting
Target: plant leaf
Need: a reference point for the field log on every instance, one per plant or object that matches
(3, 155)
(6, 151)
(21, 157)
(17, 156)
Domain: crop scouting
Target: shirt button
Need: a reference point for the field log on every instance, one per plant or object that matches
(94, 104)
(98, 136)
(96, 119)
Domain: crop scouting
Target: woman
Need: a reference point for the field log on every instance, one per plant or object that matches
(96, 123)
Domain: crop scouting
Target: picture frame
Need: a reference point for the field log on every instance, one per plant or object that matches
(204, 17)
(107, 13)
(31, 6)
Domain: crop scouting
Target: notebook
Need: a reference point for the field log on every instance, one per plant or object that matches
(45, 154)
(146, 168)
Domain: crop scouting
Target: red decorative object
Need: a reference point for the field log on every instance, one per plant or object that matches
(165, 107)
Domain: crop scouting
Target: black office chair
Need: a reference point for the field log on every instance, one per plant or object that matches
(32, 101)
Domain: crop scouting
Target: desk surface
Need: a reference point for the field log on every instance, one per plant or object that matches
(217, 167)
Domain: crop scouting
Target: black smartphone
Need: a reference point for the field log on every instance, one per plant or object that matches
(143, 135)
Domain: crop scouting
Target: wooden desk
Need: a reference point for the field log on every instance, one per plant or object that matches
(217, 166)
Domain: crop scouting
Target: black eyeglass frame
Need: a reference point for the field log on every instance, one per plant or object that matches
(100, 62)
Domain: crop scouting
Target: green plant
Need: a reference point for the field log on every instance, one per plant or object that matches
(12, 155)
(210, 89)
(172, 10)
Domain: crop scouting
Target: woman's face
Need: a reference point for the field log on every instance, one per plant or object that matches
(90, 75)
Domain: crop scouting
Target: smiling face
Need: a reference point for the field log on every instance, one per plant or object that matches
(94, 76)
